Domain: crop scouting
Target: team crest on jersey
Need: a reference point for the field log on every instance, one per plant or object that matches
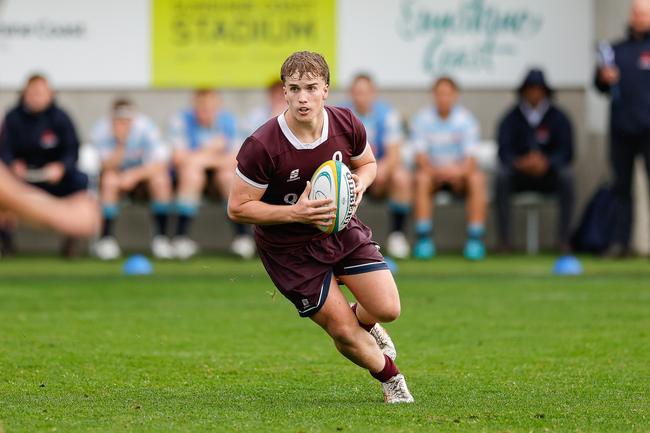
(49, 139)
(542, 134)
(644, 60)
(294, 175)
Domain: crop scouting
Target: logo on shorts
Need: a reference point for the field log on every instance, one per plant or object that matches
(305, 302)
(294, 175)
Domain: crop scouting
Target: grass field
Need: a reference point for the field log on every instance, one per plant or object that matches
(202, 346)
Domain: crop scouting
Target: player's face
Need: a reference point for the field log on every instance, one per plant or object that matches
(38, 96)
(305, 97)
(640, 16)
(445, 96)
(206, 106)
(534, 95)
(363, 95)
(122, 128)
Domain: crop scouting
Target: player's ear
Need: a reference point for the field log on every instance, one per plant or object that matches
(326, 91)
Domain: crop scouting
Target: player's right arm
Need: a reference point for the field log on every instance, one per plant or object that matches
(245, 205)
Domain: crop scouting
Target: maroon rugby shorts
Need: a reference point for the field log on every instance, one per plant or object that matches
(303, 274)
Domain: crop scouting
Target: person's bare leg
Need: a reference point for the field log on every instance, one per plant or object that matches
(476, 208)
(476, 198)
(424, 189)
(109, 188)
(423, 196)
(191, 181)
(400, 194)
(159, 184)
(377, 301)
(376, 295)
(401, 186)
(352, 341)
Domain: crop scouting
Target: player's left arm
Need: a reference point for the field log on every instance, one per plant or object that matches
(364, 170)
(38, 207)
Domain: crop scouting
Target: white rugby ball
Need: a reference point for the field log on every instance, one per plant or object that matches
(333, 180)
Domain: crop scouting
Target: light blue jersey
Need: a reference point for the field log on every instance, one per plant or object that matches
(382, 125)
(256, 118)
(445, 141)
(186, 133)
(143, 145)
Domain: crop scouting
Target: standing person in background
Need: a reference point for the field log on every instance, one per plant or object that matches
(39, 144)
(134, 160)
(385, 135)
(624, 74)
(204, 144)
(273, 107)
(445, 136)
(535, 151)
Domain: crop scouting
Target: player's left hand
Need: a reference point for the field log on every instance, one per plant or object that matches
(359, 189)
(54, 172)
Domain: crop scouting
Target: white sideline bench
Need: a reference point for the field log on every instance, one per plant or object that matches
(486, 157)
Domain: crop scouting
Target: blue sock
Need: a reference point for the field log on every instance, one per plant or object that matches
(110, 211)
(423, 228)
(186, 209)
(399, 213)
(109, 214)
(160, 211)
(475, 231)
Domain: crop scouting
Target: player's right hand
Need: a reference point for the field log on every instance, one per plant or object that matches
(316, 212)
(609, 75)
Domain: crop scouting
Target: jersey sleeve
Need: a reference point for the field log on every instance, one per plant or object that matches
(254, 164)
(418, 135)
(393, 129)
(156, 149)
(177, 132)
(471, 136)
(229, 128)
(102, 139)
(360, 137)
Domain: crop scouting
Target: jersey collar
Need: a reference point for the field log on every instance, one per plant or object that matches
(294, 140)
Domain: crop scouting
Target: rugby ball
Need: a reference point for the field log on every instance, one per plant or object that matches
(333, 180)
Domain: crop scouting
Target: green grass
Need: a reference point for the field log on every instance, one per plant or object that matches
(202, 346)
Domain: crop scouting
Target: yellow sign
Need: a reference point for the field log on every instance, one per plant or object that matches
(236, 43)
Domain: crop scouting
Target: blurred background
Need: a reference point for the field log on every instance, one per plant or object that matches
(156, 52)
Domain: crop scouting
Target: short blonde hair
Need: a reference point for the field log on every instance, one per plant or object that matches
(305, 63)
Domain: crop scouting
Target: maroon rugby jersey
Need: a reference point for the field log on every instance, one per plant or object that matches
(274, 159)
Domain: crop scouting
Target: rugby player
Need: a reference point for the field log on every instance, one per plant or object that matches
(271, 190)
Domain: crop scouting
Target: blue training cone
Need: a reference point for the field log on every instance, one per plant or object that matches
(567, 265)
(137, 264)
